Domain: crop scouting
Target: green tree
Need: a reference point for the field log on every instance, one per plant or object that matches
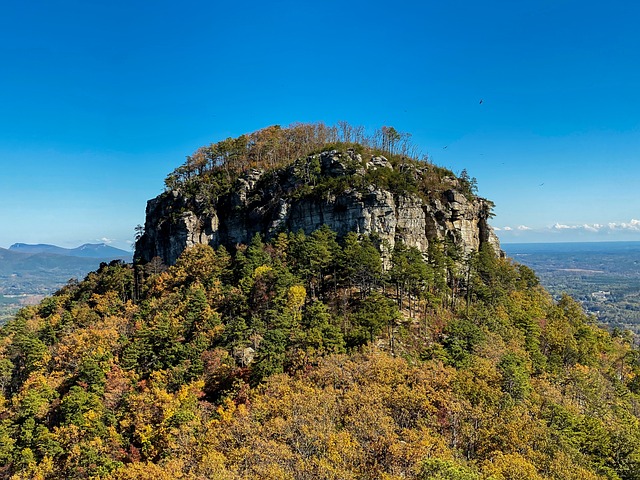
(439, 469)
(361, 263)
(515, 376)
(373, 314)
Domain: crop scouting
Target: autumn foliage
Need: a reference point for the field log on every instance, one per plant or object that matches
(290, 360)
(313, 357)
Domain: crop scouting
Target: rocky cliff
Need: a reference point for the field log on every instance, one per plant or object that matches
(342, 190)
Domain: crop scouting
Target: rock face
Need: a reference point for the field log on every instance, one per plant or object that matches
(286, 200)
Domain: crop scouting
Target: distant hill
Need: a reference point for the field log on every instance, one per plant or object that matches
(31, 271)
(88, 250)
(42, 269)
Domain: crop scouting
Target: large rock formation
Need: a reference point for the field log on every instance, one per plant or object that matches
(288, 200)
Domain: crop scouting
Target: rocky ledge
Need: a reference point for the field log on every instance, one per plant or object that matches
(291, 199)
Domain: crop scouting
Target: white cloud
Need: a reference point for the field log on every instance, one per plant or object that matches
(614, 231)
(560, 226)
(592, 228)
(633, 225)
(106, 240)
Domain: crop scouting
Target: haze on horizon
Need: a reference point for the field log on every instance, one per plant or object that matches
(537, 100)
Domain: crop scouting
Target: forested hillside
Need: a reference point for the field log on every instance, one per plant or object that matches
(306, 357)
(301, 358)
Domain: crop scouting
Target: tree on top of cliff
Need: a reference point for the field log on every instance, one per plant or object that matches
(212, 170)
(276, 146)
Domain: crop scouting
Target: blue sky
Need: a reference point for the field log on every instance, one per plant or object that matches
(99, 101)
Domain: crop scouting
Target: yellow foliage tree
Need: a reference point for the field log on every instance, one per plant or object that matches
(295, 300)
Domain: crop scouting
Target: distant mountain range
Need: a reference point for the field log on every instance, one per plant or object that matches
(36, 270)
(88, 250)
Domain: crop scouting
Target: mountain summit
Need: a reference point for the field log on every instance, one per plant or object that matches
(306, 176)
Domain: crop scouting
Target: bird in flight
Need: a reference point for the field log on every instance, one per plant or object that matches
(481, 100)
